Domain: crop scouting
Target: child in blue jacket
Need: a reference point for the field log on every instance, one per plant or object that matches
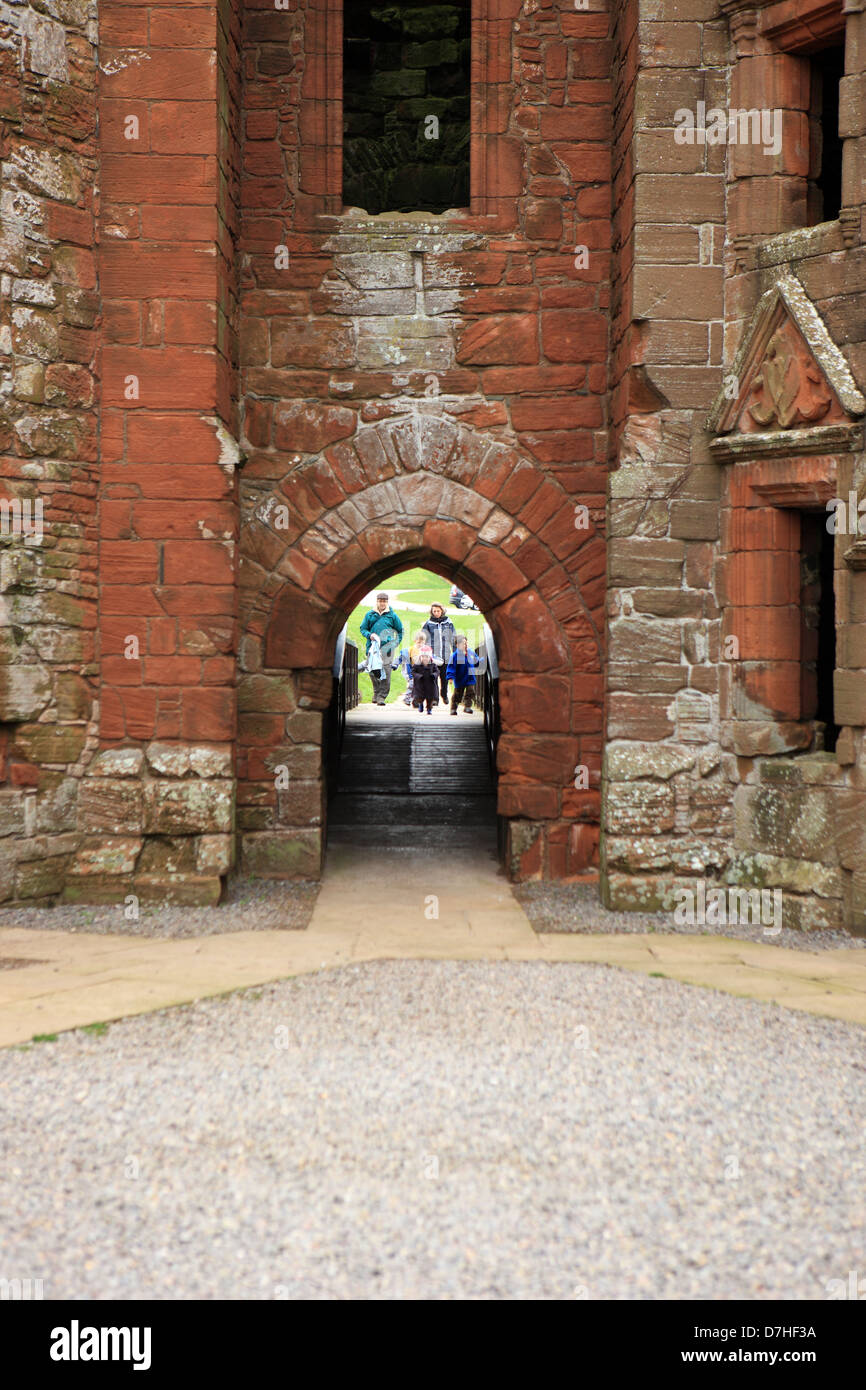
(461, 670)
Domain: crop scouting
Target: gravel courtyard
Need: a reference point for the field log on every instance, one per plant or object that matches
(440, 1130)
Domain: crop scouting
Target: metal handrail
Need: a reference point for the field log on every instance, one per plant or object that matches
(339, 653)
(487, 692)
(345, 697)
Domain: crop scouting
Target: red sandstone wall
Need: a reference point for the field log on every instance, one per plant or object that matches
(159, 819)
(168, 520)
(482, 319)
(48, 435)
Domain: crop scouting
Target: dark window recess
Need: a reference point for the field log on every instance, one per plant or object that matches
(825, 172)
(818, 609)
(406, 106)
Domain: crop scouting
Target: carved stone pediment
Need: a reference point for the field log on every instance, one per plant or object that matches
(788, 376)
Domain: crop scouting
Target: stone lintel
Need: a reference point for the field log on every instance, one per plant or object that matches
(822, 439)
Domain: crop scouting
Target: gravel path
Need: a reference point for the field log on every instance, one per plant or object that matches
(440, 1130)
(575, 907)
(248, 905)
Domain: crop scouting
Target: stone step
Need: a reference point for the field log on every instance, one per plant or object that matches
(403, 784)
(413, 809)
(430, 837)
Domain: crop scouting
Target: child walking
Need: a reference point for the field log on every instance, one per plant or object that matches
(461, 670)
(425, 681)
(418, 641)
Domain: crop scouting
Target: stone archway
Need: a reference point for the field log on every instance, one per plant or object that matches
(422, 490)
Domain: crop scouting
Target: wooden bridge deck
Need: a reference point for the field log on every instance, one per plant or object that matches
(407, 779)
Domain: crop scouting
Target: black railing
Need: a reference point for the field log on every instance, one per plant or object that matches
(344, 698)
(487, 692)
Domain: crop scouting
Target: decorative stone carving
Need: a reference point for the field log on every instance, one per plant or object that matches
(849, 220)
(789, 383)
(855, 556)
(789, 388)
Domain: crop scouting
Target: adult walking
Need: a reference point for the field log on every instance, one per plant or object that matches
(440, 634)
(382, 627)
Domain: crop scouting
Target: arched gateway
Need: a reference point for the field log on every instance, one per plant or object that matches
(422, 490)
(442, 280)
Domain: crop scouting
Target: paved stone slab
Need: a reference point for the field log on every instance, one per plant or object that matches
(389, 905)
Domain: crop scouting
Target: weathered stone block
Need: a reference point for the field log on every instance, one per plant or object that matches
(638, 808)
(188, 808)
(115, 857)
(11, 812)
(215, 854)
(96, 889)
(651, 853)
(639, 717)
(405, 343)
(295, 854)
(117, 762)
(261, 694)
(168, 759)
(41, 878)
(111, 806)
(211, 760)
(304, 726)
(755, 739)
(850, 822)
(57, 801)
(855, 902)
(48, 743)
(24, 692)
(300, 804)
(849, 697)
(646, 562)
(694, 520)
(162, 856)
(788, 822)
(301, 762)
(524, 850)
(184, 890)
(643, 892)
(628, 762)
(811, 913)
(373, 270)
(643, 639)
(794, 875)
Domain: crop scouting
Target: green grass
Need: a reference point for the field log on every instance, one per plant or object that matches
(97, 1029)
(45, 1037)
(412, 586)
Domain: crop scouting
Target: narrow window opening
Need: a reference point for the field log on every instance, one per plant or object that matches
(825, 171)
(818, 609)
(406, 78)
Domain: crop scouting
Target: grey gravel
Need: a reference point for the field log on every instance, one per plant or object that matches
(576, 907)
(248, 905)
(440, 1130)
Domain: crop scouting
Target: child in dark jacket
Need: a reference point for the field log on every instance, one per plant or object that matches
(425, 682)
(461, 670)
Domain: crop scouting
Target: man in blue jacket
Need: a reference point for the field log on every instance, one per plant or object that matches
(382, 622)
